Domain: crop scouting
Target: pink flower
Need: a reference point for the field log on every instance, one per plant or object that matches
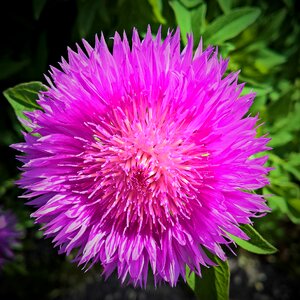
(143, 157)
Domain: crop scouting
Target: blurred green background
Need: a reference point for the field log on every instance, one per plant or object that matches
(262, 39)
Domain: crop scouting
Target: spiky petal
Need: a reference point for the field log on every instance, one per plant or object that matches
(143, 157)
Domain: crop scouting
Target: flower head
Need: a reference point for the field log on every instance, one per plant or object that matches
(8, 235)
(143, 157)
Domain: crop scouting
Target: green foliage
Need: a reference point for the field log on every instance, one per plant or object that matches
(157, 10)
(23, 98)
(256, 243)
(225, 5)
(214, 283)
(190, 17)
(261, 39)
(183, 18)
(230, 25)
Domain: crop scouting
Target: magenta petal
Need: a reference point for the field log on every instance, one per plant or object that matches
(143, 157)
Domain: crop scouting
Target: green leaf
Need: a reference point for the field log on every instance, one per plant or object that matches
(294, 210)
(267, 60)
(272, 25)
(280, 138)
(257, 244)
(183, 19)
(292, 170)
(198, 21)
(230, 25)
(23, 97)
(290, 207)
(278, 202)
(157, 10)
(225, 5)
(287, 165)
(226, 48)
(191, 3)
(214, 283)
(38, 6)
(294, 159)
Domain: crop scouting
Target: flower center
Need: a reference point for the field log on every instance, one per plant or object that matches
(138, 181)
(141, 174)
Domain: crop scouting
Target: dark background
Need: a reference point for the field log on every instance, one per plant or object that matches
(35, 34)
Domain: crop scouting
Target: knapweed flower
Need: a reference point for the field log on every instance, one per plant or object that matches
(8, 236)
(143, 157)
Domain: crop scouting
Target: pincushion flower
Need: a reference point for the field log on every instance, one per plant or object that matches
(143, 157)
(8, 236)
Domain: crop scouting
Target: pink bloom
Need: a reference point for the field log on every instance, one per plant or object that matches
(143, 157)
(8, 236)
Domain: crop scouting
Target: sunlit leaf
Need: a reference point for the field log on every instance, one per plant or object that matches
(225, 5)
(280, 138)
(157, 10)
(198, 21)
(256, 244)
(183, 18)
(230, 25)
(191, 3)
(23, 97)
